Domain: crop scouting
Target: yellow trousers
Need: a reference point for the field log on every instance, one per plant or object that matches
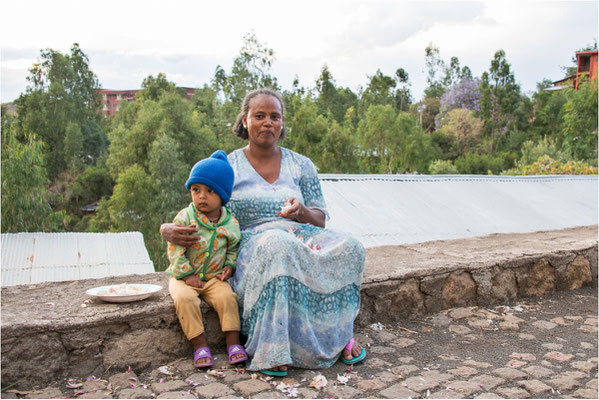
(218, 294)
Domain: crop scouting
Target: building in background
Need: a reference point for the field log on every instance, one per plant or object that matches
(111, 99)
(586, 68)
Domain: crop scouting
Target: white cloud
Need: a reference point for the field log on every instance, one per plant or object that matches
(128, 40)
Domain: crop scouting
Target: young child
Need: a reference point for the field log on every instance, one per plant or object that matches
(203, 269)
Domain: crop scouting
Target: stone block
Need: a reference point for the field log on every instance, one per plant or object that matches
(33, 357)
(537, 280)
(459, 290)
(432, 287)
(144, 347)
(577, 274)
(503, 287)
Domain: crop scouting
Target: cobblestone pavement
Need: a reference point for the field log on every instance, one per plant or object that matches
(535, 348)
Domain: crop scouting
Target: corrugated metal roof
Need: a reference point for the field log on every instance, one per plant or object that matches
(398, 209)
(49, 257)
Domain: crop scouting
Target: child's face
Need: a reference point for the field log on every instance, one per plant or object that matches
(205, 199)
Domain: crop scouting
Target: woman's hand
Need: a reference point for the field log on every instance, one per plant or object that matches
(181, 235)
(294, 209)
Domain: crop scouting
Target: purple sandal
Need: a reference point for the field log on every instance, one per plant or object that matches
(236, 349)
(202, 352)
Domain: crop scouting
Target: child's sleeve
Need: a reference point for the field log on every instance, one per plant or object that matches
(233, 240)
(180, 266)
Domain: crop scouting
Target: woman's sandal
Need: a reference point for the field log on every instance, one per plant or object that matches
(202, 352)
(235, 349)
(349, 347)
(274, 373)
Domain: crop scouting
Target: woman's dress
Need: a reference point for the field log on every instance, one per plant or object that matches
(298, 284)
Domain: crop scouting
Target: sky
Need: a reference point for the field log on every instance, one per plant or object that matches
(128, 40)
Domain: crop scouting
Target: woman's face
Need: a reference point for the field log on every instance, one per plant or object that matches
(264, 120)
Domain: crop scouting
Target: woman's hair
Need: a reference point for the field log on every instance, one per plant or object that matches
(238, 128)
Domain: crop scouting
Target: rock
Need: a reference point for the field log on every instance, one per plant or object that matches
(552, 346)
(487, 382)
(516, 363)
(584, 366)
(97, 394)
(536, 281)
(47, 393)
(169, 386)
(398, 391)
(176, 395)
(523, 356)
(402, 343)
(504, 285)
(513, 393)
(488, 395)
(459, 290)
(144, 347)
(121, 380)
(251, 386)
(509, 326)
(585, 394)
(534, 386)
(477, 364)
(537, 371)
(343, 391)
(544, 325)
(460, 313)
(404, 369)
(509, 373)
(445, 394)
(563, 382)
(213, 390)
(481, 323)
(558, 356)
(370, 384)
(465, 388)
(459, 329)
(137, 393)
(527, 336)
(463, 371)
(578, 273)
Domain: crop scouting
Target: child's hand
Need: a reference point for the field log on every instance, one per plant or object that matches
(194, 281)
(226, 274)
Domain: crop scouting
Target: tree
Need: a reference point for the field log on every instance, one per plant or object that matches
(154, 88)
(500, 96)
(464, 128)
(62, 89)
(580, 122)
(378, 139)
(403, 98)
(25, 201)
(250, 70)
(434, 67)
(379, 90)
(464, 94)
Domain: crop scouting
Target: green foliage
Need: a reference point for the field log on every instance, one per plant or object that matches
(479, 164)
(464, 129)
(500, 97)
(62, 90)
(580, 122)
(250, 70)
(442, 167)
(25, 202)
(91, 186)
(546, 165)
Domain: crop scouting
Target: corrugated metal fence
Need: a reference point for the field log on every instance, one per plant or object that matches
(48, 257)
(398, 209)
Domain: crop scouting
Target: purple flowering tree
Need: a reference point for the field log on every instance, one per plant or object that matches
(464, 94)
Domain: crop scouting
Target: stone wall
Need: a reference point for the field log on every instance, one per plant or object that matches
(49, 331)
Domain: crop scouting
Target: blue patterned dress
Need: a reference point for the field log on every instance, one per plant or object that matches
(298, 284)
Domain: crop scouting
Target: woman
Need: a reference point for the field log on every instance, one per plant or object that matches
(298, 284)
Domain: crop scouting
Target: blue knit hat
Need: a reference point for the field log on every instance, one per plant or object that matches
(214, 172)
